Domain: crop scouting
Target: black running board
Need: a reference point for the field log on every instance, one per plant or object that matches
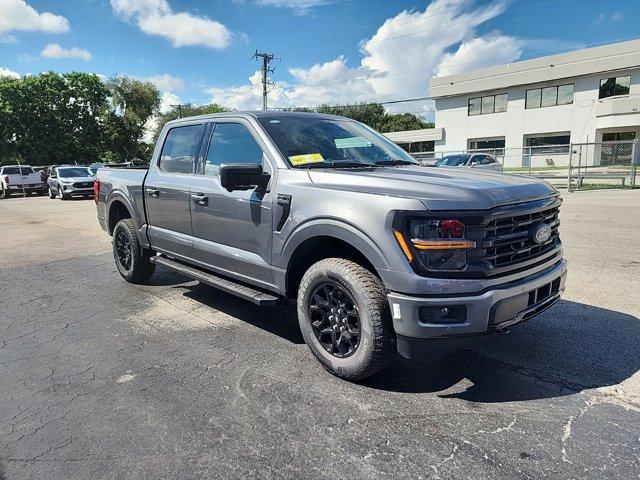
(229, 286)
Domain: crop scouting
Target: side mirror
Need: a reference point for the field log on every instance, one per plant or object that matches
(242, 176)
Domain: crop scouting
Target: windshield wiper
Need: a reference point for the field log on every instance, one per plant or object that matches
(337, 165)
(396, 162)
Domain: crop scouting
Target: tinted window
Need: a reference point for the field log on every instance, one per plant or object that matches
(487, 160)
(549, 96)
(474, 106)
(501, 103)
(453, 160)
(533, 98)
(180, 149)
(74, 172)
(610, 87)
(565, 94)
(231, 143)
(17, 170)
(487, 105)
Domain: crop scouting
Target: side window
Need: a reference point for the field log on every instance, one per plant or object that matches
(487, 160)
(231, 143)
(180, 149)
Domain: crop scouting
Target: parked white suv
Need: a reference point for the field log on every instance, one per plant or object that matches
(70, 181)
(19, 178)
(475, 160)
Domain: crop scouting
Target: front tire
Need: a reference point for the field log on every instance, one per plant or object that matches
(344, 318)
(5, 192)
(133, 261)
(52, 195)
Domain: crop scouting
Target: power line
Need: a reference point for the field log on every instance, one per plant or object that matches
(267, 58)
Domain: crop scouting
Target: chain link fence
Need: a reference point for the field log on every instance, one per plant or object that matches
(572, 166)
(603, 165)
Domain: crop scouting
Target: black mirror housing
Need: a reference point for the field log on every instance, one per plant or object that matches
(243, 176)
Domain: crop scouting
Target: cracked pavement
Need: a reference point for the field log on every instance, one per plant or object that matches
(103, 379)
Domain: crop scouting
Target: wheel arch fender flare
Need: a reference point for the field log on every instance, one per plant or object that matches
(339, 229)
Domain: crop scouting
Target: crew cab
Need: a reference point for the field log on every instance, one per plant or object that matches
(19, 179)
(379, 253)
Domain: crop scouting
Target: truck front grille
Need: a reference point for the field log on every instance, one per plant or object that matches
(505, 240)
(83, 185)
(508, 240)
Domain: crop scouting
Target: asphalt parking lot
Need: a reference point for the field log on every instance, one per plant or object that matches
(103, 379)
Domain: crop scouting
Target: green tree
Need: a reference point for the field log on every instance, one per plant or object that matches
(188, 110)
(374, 115)
(53, 118)
(133, 104)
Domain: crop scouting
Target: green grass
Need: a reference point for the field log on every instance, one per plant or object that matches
(533, 169)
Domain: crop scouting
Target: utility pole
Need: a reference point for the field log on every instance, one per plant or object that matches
(266, 59)
(179, 107)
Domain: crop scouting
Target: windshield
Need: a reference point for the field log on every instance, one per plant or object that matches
(74, 172)
(17, 170)
(452, 161)
(320, 142)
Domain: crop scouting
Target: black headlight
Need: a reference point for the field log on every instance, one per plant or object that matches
(437, 245)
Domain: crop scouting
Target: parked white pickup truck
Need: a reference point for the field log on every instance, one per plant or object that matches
(19, 178)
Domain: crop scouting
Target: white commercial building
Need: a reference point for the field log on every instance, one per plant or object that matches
(590, 95)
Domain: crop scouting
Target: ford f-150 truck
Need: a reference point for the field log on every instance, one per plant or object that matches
(380, 253)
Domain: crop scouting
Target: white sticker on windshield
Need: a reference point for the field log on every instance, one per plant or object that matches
(352, 142)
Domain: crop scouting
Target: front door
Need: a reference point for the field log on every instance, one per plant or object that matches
(166, 191)
(232, 231)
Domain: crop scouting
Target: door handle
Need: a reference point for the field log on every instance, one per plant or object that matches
(200, 199)
(153, 192)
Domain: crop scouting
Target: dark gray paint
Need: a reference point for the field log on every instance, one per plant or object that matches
(235, 233)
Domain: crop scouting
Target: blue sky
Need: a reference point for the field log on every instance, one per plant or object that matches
(334, 51)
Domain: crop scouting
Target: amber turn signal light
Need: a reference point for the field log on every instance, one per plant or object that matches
(403, 245)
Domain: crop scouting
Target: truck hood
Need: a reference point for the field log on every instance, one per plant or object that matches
(78, 179)
(436, 188)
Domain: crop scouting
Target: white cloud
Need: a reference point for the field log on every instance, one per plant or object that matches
(5, 72)
(7, 39)
(156, 17)
(18, 15)
(165, 82)
(479, 53)
(53, 50)
(298, 6)
(168, 99)
(603, 18)
(397, 62)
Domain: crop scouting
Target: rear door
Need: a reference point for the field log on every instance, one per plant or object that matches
(166, 190)
(232, 231)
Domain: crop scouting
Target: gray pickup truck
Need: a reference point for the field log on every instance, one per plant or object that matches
(380, 253)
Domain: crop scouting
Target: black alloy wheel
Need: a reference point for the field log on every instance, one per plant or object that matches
(334, 319)
(123, 248)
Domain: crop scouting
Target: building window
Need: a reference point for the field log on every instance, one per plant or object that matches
(488, 104)
(618, 136)
(548, 144)
(610, 87)
(549, 96)
(482, 144)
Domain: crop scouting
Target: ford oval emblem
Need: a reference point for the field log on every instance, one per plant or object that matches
(541, 233)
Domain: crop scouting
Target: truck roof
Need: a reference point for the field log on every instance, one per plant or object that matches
(257, 114)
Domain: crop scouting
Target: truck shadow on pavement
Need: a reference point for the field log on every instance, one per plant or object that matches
(569, 348)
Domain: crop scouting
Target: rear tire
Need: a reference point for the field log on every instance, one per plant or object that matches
(355, 302)
(5, 193)
(133, 261)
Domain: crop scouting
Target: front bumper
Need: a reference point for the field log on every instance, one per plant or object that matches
(490, 310)
(32, 187)
(70, 191)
